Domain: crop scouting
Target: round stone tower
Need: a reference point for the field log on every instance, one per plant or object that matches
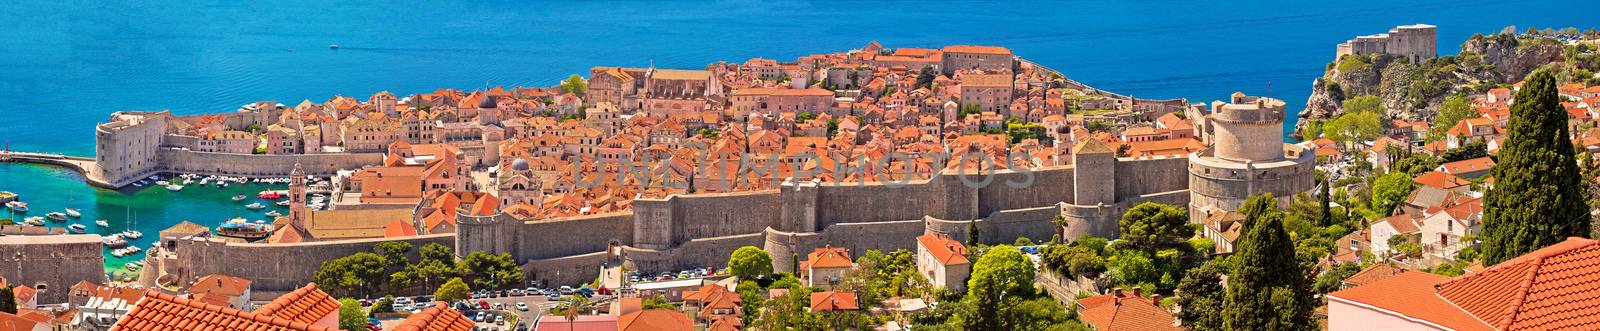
(1247, 157)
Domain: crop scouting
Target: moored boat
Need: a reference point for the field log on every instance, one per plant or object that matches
(56, 216)
(114, 241)
(74, 213)
(132, 234)
(238, 197)
(33, 220)
(270, 195)
(17, 206)
(243, 229)
(102, 223)
(256, 205)
(274, 213)
(284, 203)
(77, 228)
(174, 187)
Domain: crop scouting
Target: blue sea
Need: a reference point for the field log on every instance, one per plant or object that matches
(64, 65)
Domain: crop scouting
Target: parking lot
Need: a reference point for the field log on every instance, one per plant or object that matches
(486, 306)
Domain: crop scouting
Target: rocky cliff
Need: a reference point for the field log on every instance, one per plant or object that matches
(1415, 90)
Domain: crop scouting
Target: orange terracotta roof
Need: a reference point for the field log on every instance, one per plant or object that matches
(1112, 312)
(655, 320)
(9, 321)
(1552, 288)
(1441, 180)
(977, 49)
(485, 206)
(306, 304)
(399, 228)
(1469, 165)
(159, 311)
(1411, 294)
(1376, 272)
(829, 257)
(219, 284)
(834, 300)
(440, 317)
(947, 251)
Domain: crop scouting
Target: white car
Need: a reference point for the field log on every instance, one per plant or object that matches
(523, 306)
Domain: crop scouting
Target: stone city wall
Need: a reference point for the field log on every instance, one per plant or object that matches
(252, 165)
(52, 264)
(571, 236)
(706, 252)
(275, 269)
(1141, 176)
(566, 270)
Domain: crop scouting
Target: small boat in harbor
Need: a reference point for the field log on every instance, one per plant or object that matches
(56, 216)
(77, 228)
(132, 234)
(133, 266)
(174, 187)
(34, 221)
(131, 250)
(256, 205)
(74, 213)
(17, 206)
(244, 229)
(274, 213)
(102, 223)
(114, 241)
(333, 46)
(269, 195)
(284, 203)
(163, 183)
(238, 197)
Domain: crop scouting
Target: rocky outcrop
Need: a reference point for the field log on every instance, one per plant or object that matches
(1414, 90)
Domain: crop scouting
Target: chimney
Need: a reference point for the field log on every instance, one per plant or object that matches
(1136, 292)
(1155, 299)
(1117, 292)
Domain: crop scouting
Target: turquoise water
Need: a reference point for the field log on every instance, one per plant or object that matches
(149, 210)
(67, 64)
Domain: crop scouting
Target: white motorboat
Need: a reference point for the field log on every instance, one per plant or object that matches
(133, 234)
(284, 203)
(174, 187)
(238, 197)
(114, 241)
(17, 206)
(77, 228)
(56, 216)
(34, 221)
(256, 205)
(74, 213)
(274, 213)
(102, 223)
(163, 183)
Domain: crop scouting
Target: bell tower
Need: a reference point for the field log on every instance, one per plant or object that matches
(297, 197)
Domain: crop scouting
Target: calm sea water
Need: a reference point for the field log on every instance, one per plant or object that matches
(65, 65)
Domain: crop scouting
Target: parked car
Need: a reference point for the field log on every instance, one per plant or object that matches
(553, 296)
(523, 306)
(479, 316)
(402, 300)
(566, 289)
(514, 292)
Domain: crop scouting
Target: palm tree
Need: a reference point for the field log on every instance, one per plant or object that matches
(569, 308)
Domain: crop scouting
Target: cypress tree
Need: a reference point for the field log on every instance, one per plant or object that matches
(1538, 198)
(1327, 205)
(1267, 288)
(8, 300)
(972, 233)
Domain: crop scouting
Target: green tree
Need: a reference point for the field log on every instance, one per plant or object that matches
(1150, 226)
(1454, 109)
(804, 116)
(1363, 104)
(1201, 297)
(359, 274)
(657, 302)
(350, 315)
(394, 253)
(570, 307)
(751, 300)
(1267, 289)
(1002, 273)
(575, 85)
(1471, 150)
(749, 262)
(1073, 259)
(1133, 267)
(1389, 190)
(1333, 280)
(974, 237)
(1349, 128)
(489, 271)
(1538, 196)
(384, 305)
(453, 291)
(8, 300)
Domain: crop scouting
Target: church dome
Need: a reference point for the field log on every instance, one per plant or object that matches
(519, 164)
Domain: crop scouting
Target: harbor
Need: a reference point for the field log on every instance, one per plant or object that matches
(130, 218)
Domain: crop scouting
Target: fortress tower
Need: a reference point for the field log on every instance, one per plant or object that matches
(1247, 157)
(297, 197)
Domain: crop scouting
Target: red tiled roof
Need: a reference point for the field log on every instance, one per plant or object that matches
(977, 49)
(829, 257)
(1112, 312)
(655, 320)
(9, 321)
(1554, 287)
(219, 284)
(159, 311)
(399, 228)
(1376, 272)
(834, 300)
(440, 317)
(306, 304)
(1469, 165)
(947, 251)
(1548, 289)
(1441, 180)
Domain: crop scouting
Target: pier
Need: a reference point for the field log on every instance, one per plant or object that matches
(83, 165)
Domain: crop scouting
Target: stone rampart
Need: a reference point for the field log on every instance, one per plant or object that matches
(52, 264)
(273, 268)
(565, 270)
(253, 165)
(570, 236)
